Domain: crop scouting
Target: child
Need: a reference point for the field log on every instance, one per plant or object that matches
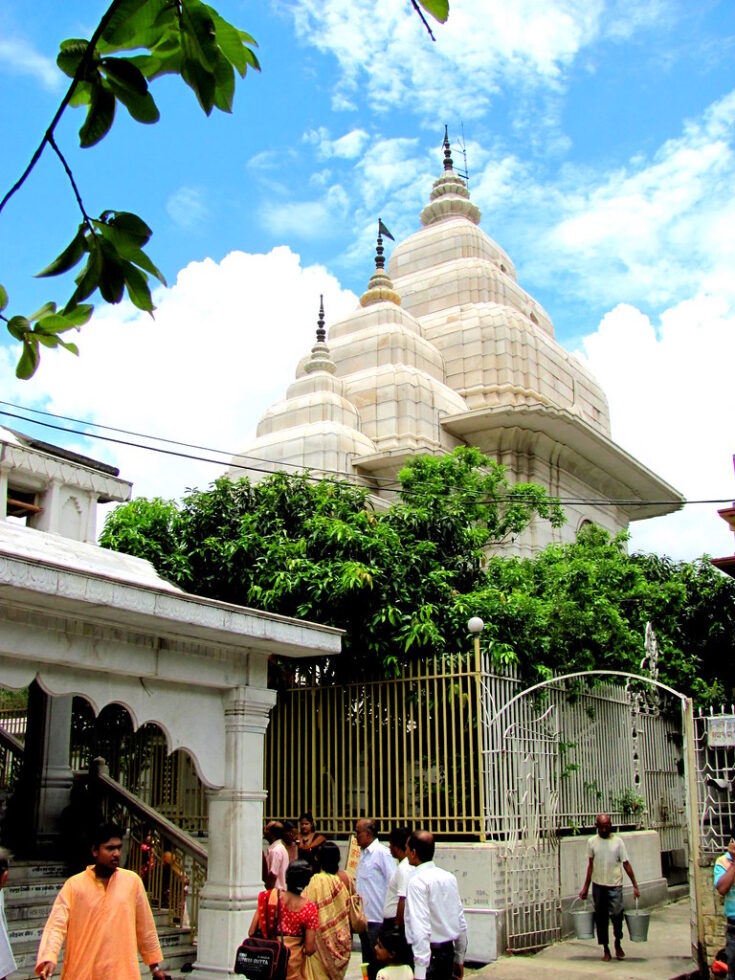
(393, 956)
(7, 960)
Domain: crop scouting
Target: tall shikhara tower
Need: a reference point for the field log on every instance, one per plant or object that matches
(447, 349)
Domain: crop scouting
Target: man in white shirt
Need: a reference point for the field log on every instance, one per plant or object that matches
(434, 920)
(607, 859)
(276, 857)
(374, 873)
(395, 898)
(7, 960)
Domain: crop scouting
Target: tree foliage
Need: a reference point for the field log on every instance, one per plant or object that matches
(403, 582)
(135, 42)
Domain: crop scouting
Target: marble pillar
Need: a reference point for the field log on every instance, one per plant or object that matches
(229, 897)
(56, 776)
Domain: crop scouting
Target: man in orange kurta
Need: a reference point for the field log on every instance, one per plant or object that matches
(104, 916)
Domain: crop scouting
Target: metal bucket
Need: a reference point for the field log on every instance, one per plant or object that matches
(583, 921)
(637, 922)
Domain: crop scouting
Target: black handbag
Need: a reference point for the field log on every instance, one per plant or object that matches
(260, 958)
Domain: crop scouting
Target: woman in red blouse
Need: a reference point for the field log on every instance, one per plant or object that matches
(299, 918)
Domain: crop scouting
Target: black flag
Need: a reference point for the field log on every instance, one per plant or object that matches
(382, 230)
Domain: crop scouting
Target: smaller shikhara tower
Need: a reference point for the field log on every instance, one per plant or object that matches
(447, 349)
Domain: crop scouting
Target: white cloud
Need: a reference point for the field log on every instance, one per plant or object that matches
(309, 220)
(187, 207)
(485, 43)
(17, 55)
(224, 345)
(346, 147)
(653, 232)
(670, 394)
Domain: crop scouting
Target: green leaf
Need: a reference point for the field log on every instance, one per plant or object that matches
(141, 107)
(136, 24)
(68, 258)
(77, 316)
(138, 289)
(224, 91)
(28, 362)
(231, 43)
(99, 117)
(126, 73)
(131, 225)
(67, 345)
(56, 323)
(88, 279)
(18, 327)
(44, 311)
(81, 95)
(198, 34)
(3, 297)
(439, 9)
(200, 81)
(112, 280)
(70, 54)
(141, 259)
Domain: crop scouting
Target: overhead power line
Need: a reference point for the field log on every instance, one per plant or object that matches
(392, 486)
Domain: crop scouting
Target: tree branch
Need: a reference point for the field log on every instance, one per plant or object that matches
(78, 77)
(423, 19)
(52, 143)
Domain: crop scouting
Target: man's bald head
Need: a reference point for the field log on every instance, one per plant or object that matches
(603, 823)
(420, 847)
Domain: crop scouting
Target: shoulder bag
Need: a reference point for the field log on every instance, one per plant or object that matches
(261, 958)
(358, 919)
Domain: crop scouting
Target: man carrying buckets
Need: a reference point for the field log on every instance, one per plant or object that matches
(607, 859)
(724, 880)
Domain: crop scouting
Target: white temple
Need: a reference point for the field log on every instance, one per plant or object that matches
(447, 349)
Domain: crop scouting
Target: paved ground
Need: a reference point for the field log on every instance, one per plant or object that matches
(664, 956)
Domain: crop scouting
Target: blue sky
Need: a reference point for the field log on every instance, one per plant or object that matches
(601, 151)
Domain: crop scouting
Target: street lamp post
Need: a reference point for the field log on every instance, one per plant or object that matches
(475, 626)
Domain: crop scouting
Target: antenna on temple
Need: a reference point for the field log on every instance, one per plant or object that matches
(464, 174)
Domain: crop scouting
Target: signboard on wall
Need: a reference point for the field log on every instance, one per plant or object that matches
(721, 732)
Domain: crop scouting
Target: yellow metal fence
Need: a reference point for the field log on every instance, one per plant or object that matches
(404, 751)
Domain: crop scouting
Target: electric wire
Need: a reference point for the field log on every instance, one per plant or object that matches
(391, 486)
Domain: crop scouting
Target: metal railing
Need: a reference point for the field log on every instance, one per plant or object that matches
(422, 748)
(172, 864)
(11, 760)
(140, 762)
(13, 722)
(714, 735)
(402, 750)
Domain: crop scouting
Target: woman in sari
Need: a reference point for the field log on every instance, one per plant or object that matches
(291, 914)
(310, 840)
(329, 893)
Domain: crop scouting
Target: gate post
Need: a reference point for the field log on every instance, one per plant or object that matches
(692, 811)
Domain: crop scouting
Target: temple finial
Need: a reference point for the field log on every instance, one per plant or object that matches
(448, 164)
(379, 257)
(321, 333)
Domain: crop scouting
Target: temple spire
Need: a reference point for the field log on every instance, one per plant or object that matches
(321, 333)
(380, 288)
(448, 164)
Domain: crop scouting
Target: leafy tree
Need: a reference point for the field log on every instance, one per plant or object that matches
(135, 42)
(318, 550)
(404, 581)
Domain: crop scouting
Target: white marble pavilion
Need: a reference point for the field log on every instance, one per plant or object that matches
(447, 349)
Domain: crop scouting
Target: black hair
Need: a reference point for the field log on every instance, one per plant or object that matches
(298, 876)
(328, 857)
(395, 942)
(289, 825)
(106, 831)
(424, 848)
(308, 815)
(399, 837)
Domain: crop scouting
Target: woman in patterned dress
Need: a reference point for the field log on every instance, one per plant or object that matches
(328, 891)
(299, 918)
